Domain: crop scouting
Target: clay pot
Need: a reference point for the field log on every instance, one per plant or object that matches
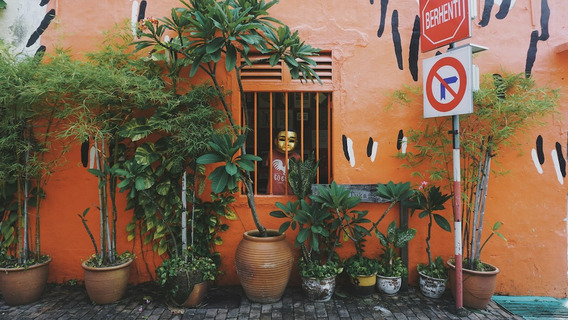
(318, 290)
(106, 285)
(21, 286)
(264, 265)
(197, 295)
(389, 285)
(432, 287)
(478, 286)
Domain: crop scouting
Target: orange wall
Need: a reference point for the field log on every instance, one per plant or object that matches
(531, 205)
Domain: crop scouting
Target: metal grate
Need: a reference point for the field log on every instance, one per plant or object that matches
(534, 308)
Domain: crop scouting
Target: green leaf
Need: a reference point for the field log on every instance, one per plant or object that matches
(97, 173)
(231, 169)
(219, 179)
(209, 158)
(442, 222)
(303, 235)
(277, 214)
(284, 227)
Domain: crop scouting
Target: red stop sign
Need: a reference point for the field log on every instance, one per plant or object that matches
(443, 22)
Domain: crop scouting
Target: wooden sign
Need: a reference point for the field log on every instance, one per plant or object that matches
(364, 191)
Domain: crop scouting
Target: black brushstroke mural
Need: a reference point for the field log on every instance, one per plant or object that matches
(370, 147)
(561, 159)
(414, 49)
(531, 54)
(142, 10)
(43, 3)
(503, 10)
(396, 39)
(345, 150)
(399, 139)
(486, 14)
(384, 5)
(539, 150)
(42, 26)
(544, 18)
(85, 153)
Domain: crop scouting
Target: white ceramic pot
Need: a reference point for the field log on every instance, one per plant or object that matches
(389, 285)
(432, 287)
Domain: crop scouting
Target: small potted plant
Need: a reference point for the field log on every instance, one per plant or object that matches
(428, 199)
(317, 237)
(391, 269)
(362, 271)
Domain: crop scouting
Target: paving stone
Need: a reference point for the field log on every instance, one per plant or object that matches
(146, 301)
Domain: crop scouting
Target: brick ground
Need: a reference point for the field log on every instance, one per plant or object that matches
(146, 301)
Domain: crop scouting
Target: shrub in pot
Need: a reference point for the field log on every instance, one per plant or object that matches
(29, 119)
(391, 269)
(363, 274)
(433, 275)
(317, 234)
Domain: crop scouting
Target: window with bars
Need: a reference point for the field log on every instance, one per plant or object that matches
(275, 103)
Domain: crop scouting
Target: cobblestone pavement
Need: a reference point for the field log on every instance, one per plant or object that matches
(145, 301)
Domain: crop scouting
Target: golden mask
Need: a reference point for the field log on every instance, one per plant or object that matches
(285, 140)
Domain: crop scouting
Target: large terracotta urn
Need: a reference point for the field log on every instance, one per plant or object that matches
(478, 286)
(21, 286)
(264, 265)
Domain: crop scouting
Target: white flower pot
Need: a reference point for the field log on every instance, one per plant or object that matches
(432, 287)
(389, 285)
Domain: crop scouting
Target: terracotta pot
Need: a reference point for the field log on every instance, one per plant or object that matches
(389, 285)
(106, 285)
(197, 295)
(478, 287)
(432, 287)
(363, 285)
(23, 285)
(318, 290)
(264, 265)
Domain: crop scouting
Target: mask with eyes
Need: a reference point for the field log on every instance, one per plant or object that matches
(285, 140)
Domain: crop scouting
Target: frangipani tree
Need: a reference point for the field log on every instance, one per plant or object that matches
(208, 35)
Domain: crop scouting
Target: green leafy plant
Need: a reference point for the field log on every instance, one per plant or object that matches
(207, 32)
(505, 106)
(179, 277)
(390, 264)
(435, 269)
(428, 199)
(301, 175)
(360, 266)
(316, 270)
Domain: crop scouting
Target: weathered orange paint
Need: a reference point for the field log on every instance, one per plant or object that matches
(532, 206)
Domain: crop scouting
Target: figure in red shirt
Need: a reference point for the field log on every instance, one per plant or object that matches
(284, 144)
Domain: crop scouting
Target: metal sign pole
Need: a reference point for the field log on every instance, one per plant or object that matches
(457, 211)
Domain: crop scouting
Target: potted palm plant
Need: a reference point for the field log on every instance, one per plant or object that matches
(205, 32)
(391, 269)
(433, 275)
(28, 118)
(505, 105)
(317, 235)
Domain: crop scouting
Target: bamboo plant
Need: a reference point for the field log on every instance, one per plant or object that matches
(29, 104)
(505, 106)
